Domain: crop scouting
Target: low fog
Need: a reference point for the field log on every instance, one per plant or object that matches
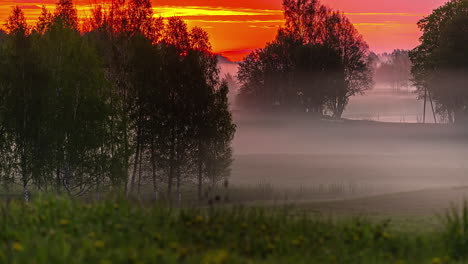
(300, 159)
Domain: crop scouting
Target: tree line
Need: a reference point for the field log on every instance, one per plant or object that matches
(317, 61)
(392, 69)
(440, 62)
(120, 101)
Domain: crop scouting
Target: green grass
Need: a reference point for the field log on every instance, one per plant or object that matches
(59, 230)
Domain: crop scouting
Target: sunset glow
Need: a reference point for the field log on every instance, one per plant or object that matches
(237, 27)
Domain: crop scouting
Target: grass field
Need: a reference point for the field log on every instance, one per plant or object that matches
(56, 230)
(351, 166)
(301, 191)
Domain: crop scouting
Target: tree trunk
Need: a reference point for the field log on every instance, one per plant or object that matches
(200, 180)
(139, 172)
(153, 171)
(135, 164)
(26, 194)
(171, 166)
(179, 194)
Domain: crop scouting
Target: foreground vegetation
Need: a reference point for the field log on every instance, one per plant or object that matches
(118, 100)
(61, 230)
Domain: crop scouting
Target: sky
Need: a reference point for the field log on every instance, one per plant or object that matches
(236, 27)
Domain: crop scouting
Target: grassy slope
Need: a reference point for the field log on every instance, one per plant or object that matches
(64, 231)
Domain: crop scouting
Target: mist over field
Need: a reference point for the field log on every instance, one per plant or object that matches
(328, 160)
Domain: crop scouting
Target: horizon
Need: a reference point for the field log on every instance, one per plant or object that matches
(251, 24)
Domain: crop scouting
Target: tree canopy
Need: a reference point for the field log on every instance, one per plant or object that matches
(120, 101)
(317, 61)
(441, 60)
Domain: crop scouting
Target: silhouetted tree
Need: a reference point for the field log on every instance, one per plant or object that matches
(440, 62)
(130, 99)
(315, 64)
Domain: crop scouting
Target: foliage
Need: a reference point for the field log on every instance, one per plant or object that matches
(118, 231)
(440, 61)
(130, 101)
(393, 69)
(317, 61)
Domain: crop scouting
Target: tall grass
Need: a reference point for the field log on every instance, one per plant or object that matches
(456, 231)
(59, 230)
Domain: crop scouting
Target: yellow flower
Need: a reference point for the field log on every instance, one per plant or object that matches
(296, 242)
(270, 246)
(64, 222)
(99, 244)
(436, 261)
(157, 236)
(173, 245)
(199, 218)
(17, 247)
(216, 257)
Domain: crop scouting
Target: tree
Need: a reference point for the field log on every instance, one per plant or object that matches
(316, 63)
(129, 98)
(44, 21)
(393, 69)
(65, 13)
(19, 123)
(77, 108)
(439, 62)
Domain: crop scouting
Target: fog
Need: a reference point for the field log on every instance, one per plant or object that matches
(385, 104)
(371, 158)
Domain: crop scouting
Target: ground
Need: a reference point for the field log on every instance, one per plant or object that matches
(351, 166)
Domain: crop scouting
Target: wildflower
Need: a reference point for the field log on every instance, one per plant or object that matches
(173, 245)
(436, 261)
(199, 218)
(116, 206)
(157, 236)
(91, 234)
(270, 246)
(297, 242)
(386, 235)
(17, 247)
(217, 257)
(99, 244)
(64, 222)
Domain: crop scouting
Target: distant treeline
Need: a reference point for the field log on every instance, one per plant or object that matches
(118, 101)
(392, 69)
(318, 60)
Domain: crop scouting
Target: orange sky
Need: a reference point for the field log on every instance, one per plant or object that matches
(238, 26)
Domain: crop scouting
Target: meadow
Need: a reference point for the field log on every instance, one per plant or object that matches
(61, 230)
